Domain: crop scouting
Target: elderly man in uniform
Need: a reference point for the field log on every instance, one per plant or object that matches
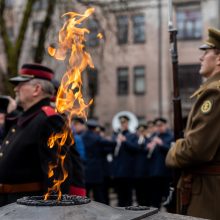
(198, 153)
(24, 155)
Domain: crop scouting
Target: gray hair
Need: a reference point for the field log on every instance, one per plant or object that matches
(47, 86)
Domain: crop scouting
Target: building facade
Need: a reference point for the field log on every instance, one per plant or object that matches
(133, 70)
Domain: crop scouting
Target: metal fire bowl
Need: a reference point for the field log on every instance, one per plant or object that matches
(66, 200)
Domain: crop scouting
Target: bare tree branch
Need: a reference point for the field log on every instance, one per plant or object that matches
(3, 31)
(23, 27)
(39, 54)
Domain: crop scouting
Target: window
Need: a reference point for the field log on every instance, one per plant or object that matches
(122, 74)
(92, 82)
(91, 38)
(189, 82)
(40, 4)
(189, 22)
(122, 29)
(138, 28)
(139, 80)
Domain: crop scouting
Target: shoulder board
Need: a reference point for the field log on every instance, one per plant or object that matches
(197, 92)
(215, 84)
(48, 110)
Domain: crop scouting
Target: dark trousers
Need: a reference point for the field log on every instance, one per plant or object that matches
(123, 188)
(159, 189)
(143, 191)
(97, 190)
(107, 185)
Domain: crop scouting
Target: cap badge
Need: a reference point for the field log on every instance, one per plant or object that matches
(206, 106)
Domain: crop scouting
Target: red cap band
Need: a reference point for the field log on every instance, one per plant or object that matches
(37, 73)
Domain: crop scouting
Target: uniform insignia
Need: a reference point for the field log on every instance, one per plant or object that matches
(206, 106)
(48, 110)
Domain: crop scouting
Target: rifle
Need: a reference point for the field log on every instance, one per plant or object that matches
(178, 122)
(178, 125)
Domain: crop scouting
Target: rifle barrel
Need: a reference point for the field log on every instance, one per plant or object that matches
(178, 125)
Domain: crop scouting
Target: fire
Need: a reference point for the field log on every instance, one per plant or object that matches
(99, 35)
(51, 51)
(69, 99)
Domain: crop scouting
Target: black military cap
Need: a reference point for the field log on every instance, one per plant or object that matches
(92, 123)
(213, 41)
(31, 71)
(124, 118)
(158, 121)
(79, 120)
(142, 126)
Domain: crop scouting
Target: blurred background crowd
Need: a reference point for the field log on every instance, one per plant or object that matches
(128, 165)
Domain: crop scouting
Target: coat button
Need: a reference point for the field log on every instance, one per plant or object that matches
(13, 130)
(7, 142)
(1, 154)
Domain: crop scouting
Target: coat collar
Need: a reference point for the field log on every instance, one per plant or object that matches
(33, 110)
(208, 83)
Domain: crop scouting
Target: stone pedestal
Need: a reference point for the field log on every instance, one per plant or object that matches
(89, 211)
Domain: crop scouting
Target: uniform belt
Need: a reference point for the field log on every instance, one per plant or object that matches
(207, 170)
(23, 187)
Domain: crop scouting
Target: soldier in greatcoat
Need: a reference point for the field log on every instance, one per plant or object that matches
(198, 153)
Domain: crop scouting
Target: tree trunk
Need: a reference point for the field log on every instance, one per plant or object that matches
(39, 55)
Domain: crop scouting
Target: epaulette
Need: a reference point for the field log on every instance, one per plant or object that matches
(215, 84)
(48, 110)
(197, 92)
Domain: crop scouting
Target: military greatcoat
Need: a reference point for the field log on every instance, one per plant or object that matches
(24, 155)
(200, 149)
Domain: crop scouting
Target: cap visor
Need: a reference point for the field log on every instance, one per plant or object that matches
(18, 79)
(205, 47)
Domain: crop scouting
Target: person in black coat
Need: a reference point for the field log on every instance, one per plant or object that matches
(142, 181)
(159, 174)
(124, 163)
(25, 155)
(96, 148)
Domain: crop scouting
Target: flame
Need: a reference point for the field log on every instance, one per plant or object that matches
(51, 50)
(69, 100)
(99, 35)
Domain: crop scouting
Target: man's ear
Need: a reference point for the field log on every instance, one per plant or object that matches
(37, 89)
(218, 60)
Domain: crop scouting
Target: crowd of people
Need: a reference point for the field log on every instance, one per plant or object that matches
(128, 163)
